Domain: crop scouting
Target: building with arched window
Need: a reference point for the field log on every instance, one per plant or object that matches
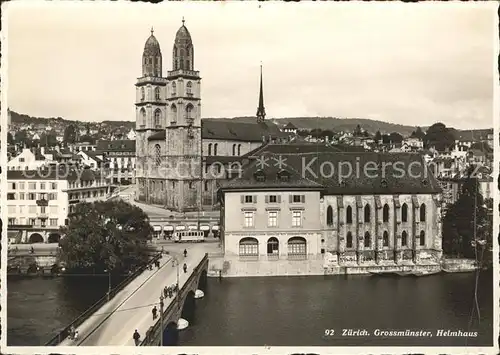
(168, 114)
(299, 218)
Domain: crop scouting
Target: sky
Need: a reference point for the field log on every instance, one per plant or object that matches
(411, 64)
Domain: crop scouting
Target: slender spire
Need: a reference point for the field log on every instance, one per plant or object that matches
(261, 111)
(152, 30)
(183, 21)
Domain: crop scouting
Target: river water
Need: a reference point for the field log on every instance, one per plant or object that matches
(284, 311)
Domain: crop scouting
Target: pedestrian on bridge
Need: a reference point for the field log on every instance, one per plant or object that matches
(136, 337)
(185, 267)
(165, 291)
(155, 312)
(185, 253)
(75, 337)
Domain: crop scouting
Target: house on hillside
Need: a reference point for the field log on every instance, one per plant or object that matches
(290, 128)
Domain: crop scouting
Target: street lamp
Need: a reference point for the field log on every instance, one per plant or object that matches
(175, 263)
(161, 318)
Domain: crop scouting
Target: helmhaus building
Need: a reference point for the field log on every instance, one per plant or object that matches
(293, 213)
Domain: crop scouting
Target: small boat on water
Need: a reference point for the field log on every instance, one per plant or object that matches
(426, 273)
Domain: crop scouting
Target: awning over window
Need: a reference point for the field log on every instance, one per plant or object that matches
(192, 227)
(180, 228)
(168, 228)
(157, 228)
(205, 228)
(215, 228)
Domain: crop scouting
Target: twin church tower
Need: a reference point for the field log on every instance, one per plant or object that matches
(168, 124)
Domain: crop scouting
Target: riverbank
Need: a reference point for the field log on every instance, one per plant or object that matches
(221, 266)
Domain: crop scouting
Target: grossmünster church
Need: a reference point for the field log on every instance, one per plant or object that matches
(182, 158)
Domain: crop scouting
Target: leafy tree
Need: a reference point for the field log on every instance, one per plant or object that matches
(10, 139)
(439, 136)
(21, 137)
(468, 220)
(378, 136)
(316, 133)
(327, 133)
(395, 137)
(418, 133)
(386, 139)
(70, 134)
(357, 131)
(105, 235)
(48, 139)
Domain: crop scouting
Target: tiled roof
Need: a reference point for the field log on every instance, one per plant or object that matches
(218, 129)
(290, 125)
(122, 145)
(272, 177)
(403, 173)
(54, 173)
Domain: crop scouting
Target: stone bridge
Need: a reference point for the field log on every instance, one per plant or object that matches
(164, 331)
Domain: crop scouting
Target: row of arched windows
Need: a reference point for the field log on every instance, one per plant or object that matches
(157, 93)
(296, 246)
(157, 123)
(237, 149)
(367, 214)
(215, 145)
(385, 239)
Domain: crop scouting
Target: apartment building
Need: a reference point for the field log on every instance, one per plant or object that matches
(39, 201)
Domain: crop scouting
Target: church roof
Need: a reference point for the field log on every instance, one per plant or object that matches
(229, 130)
(183, 36)
(290, 125)
(378, 173)
(152, 46)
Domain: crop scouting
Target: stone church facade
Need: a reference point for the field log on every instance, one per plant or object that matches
(180, 157)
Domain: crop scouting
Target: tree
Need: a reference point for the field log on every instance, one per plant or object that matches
(70, 134)
(440, 137)
(10, 139)
(48, 140)
(395, 137)
(418, 133)
(357, 131)
(21, 137)
(316, 133)
(327, 133)
(467, 221)
(378, 136)
(105, 235)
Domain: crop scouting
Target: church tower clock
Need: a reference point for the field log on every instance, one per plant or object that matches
(183, 127)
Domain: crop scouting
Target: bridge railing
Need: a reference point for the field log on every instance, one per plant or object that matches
(156, 328)
(64, 333)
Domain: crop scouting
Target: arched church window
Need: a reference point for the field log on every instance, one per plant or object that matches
(188, 87)
(209, 148)
(239, 149)
(187, 64)
(157, 119)
(143, 94)
(187, 51)
(173, 108)
(215, 149)
(143, 117)
(234, 149)
(157, 155)
(157, 94)
(189, 109)
(422, 213)
(174, 88)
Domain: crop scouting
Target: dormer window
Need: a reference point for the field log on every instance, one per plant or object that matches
(284, 176)
(260, 176)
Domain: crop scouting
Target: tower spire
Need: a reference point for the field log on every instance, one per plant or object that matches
(152, 30)
(183, 21)
(261, 111)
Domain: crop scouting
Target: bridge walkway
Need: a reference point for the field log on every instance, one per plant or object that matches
(115, 323)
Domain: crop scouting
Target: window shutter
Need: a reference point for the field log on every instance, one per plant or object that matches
(278, 198)
(242, 198)
(290, 197)
(267, 198)
(302, 198)
(254, 199)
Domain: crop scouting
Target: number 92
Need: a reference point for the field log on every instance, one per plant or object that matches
(329, 332)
